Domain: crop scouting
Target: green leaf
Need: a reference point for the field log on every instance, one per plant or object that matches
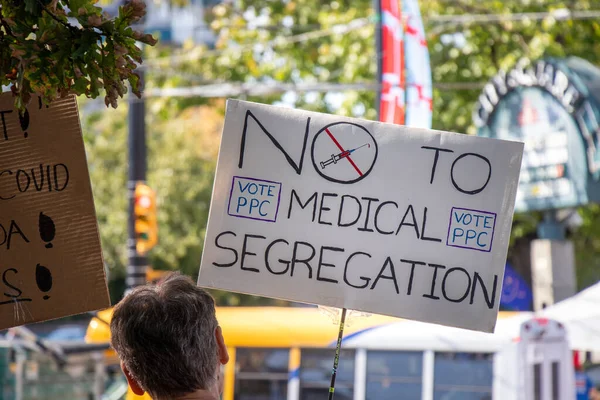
(80, 85)
(37, 38)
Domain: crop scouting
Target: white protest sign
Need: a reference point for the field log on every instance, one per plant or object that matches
(350, 213)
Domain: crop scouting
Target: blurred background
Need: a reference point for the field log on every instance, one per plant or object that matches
(465, 66)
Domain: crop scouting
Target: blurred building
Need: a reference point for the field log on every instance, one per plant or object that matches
(175, 22)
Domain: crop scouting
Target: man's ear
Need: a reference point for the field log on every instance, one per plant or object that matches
(221, 348)
(135, 387)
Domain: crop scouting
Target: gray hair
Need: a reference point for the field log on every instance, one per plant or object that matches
(165, 337)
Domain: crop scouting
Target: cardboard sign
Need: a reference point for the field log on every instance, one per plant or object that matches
(50, 259)
(369, 216)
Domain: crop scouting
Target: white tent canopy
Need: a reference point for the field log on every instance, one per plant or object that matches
(414, 335)
(581, 316)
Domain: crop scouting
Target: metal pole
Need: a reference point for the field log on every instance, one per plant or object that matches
(99, 375)
(136, 267)
(21, 357)
(336, 360)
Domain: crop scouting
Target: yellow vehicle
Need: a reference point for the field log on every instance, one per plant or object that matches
(287, 353)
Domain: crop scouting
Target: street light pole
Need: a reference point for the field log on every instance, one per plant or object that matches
(137, 263)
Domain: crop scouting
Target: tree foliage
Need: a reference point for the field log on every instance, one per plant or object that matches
(473, 52)
(257, 42)
(182, 151)
(52, 48)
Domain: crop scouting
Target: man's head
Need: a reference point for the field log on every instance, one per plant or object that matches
(168, 338)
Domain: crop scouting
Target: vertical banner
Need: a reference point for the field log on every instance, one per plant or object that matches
(417, 69)
(392, 75)
(406, 94)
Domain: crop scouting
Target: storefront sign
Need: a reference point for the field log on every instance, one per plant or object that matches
(548, 106)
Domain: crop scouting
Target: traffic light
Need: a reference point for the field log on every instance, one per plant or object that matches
(146, 227)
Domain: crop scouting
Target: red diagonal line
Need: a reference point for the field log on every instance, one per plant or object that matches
(342, 150)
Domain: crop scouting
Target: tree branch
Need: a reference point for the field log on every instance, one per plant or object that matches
(71, 28)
